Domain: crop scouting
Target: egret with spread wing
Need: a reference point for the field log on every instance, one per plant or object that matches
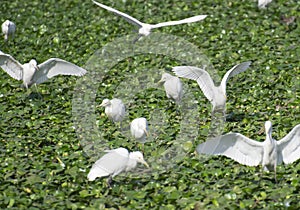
(246, 151)
(31, 73)
(144, 28)
(216, 95)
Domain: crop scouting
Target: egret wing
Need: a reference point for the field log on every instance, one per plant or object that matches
(177, 22)
(112, 163)
(202, 77)
(55, 66)
(290, 146)
(234, 71)
(128, 18)
(235, 146)
(11, 66)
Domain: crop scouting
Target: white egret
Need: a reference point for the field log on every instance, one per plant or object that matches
(244, 150)
(263, 3)
(31, 73)
(8, 29)
(144, 28)
(114, 109)
(114, 162)
(139, 129)
(173, 87)
(216, 95)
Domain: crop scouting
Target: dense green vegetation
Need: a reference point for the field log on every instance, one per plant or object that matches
(37, 134)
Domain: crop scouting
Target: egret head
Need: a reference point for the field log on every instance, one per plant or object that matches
(138, 156)
(6, 23)
(105, 102)
(164, 77)
(268, 127)
(33, 63)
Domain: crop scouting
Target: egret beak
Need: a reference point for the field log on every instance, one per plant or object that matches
(160, 81)
(146, 132)
(145, 163)
(36, 68)
(102, 104)
(60, 162)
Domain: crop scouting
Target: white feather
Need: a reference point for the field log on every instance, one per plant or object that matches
(269, 153)
(115, 162)
(144, 28)
(216, 95)
(290, 146)
(31, 73)
(139, 128)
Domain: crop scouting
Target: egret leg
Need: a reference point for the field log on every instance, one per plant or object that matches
(261, 173)
(109, 180)
(178, 108)
(137, 38)
(119, 125)
(37, 91)
(275, 173)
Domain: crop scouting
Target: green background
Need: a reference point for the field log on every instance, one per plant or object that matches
(36, 132)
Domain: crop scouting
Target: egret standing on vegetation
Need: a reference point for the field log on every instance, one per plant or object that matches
(31, 73)
(269, 153)
(216, 95)
(144, 28)
(173, 87)
(114, 109)
(139, 129)
(8, 29)
(115, 162)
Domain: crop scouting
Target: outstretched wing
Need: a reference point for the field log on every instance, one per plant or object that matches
(186, 20)
(112, 163)
(290, 146)
(234, 71)
(128, 18)
(54, 67)
(203, 79)
(235, 146)
(11, 66)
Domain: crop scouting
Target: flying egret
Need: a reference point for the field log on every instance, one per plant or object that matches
(8, 29)
(173, 87)
(139, 129)
(144, 28)
(216, 95)
(263, 3)
(31, 73)
(114, 109)
(114, 162)
(244, 150)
